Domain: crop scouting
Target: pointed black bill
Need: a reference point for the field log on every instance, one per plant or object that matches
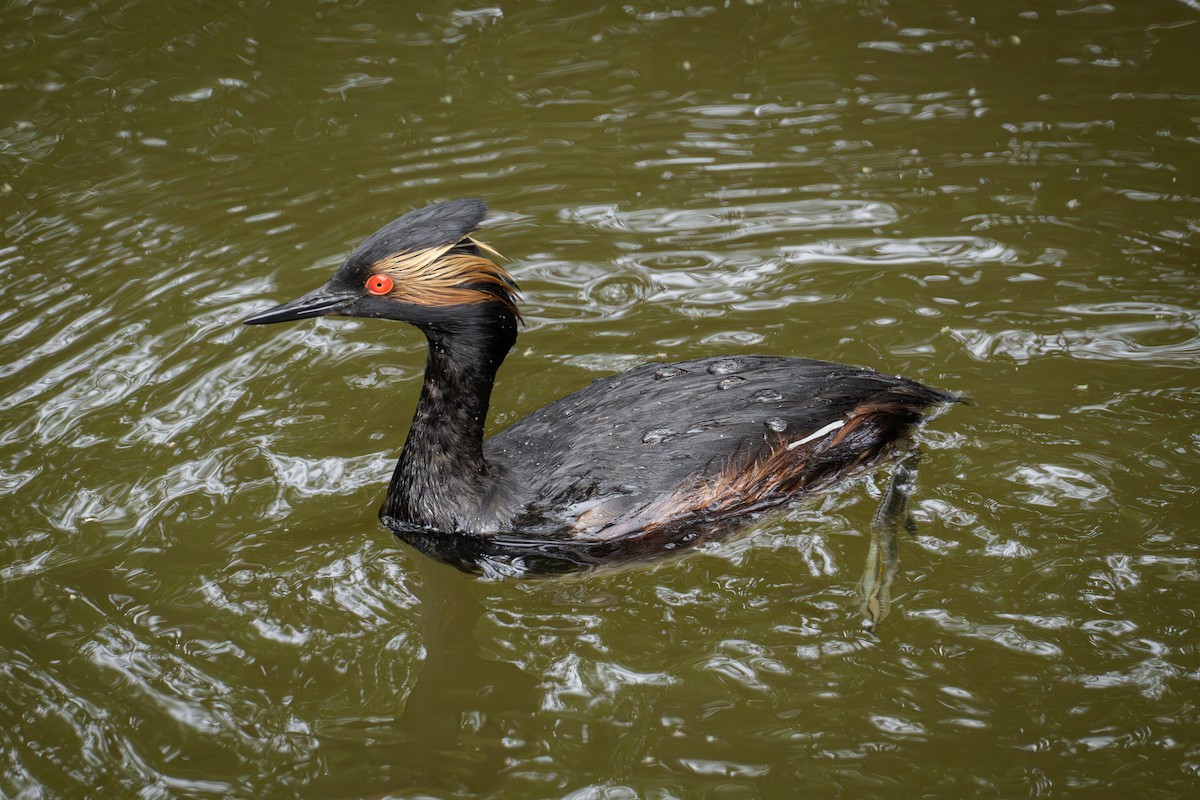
(314, 304)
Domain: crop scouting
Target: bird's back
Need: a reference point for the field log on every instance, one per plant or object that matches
(715, 436)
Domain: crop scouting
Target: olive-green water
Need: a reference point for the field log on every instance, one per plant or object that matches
(997, 198)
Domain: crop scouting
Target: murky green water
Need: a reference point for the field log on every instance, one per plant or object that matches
(998, 198)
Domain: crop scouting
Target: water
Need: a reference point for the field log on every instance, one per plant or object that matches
(996, 198)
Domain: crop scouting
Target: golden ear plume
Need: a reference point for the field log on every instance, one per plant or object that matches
(438, 276)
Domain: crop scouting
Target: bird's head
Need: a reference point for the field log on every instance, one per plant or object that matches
(424, 268)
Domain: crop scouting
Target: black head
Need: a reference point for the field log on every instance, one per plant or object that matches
(423, 268)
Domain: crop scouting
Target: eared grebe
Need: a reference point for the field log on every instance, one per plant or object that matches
(635, 463)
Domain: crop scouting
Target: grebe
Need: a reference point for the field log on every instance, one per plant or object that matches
(632, 464)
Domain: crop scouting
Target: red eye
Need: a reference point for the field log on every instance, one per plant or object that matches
(380, 284)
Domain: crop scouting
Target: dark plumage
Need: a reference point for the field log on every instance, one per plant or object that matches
(632, 463)
(432, 226)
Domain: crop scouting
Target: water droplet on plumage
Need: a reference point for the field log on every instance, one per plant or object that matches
(669, 372)
(725, 366)
(767, 396)
(729, 383)
(657, 435)
(776, 424)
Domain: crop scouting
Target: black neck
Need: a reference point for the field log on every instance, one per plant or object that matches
(443, 481)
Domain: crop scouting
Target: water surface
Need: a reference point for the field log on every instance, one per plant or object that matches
(1000, 199)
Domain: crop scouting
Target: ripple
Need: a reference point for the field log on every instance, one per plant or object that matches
(1052, 484)
(708, 225)
(1154, 334)
(949, 251)
(313, 477)
(1151, 678)
(1002, 636)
